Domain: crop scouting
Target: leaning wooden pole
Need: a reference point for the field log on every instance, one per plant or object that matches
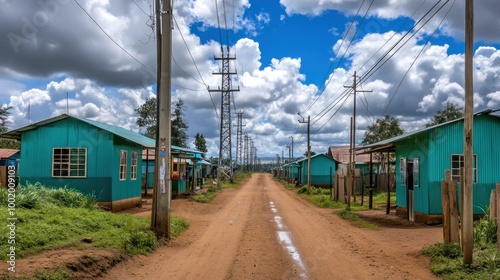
(467, 242)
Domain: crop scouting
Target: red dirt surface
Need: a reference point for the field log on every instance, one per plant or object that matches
(263, 231)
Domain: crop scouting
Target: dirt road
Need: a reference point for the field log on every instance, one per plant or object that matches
(263, 231)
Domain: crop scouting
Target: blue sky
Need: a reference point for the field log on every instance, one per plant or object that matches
(289, 53)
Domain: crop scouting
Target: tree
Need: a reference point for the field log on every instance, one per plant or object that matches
(147, 117)
(384, 128)
(4, 125)
(179, 126)
(312, 153)
(450, 113)
(200, 143)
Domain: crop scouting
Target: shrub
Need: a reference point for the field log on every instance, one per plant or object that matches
(444, 250)
(485, 231)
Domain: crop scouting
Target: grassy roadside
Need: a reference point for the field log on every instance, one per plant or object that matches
(212, 190)
(447, 258)
(321, 197)
(63, 218)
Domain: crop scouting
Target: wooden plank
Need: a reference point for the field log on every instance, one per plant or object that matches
(454, 223)
(446, 208)
(493, 206)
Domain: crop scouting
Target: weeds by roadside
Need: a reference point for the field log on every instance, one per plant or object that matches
(212, 190)
(206, 196)
(350, 215)
(60, 218)
(447, 258)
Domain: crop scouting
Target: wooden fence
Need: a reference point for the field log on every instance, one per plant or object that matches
(495, 210)
(451, 212)
(342, 188)
(449, 200)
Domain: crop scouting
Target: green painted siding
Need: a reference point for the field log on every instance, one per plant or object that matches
(102, 159)
(434, 148)
(320, 170)
(128, 188)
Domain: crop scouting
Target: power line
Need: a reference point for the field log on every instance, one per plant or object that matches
(374, 68)
(336, 53)
(418, 55)
(113, 40)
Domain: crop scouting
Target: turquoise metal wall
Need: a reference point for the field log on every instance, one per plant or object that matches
(320, 170)
(128, 188)
(102, 158)
(434, 148)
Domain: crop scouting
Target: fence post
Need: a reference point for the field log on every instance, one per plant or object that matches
(454, 224)
(446, 207)
(493, 206)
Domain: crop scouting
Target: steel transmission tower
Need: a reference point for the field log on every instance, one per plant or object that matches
(245, 160)
(225, 167)
(239, 140)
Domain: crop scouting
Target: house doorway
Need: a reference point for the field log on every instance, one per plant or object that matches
(410, 215)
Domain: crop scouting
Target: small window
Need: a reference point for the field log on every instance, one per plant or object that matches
(123, 165)
(69, 162)
(416, 172)
(457, 162)
(402, 170)
(133, 166)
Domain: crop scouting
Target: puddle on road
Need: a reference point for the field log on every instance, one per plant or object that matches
(285, 239)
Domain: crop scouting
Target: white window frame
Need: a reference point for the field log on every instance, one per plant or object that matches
(458, 159)
(133, 166)
(69, 162)
(402, 170)
(123, 165)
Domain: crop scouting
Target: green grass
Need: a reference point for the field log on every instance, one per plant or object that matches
(321, 198)
(212, 191)
(61, 218)
(447, 258)
(381, 197)
(238, 178)
(205, 197)
(350, 215)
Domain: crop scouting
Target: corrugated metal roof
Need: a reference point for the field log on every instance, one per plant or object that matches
(393, 140)
(174, 149)
(341, 154)
(7, 153)
(116, 130)
(316, 155)
(123, 133)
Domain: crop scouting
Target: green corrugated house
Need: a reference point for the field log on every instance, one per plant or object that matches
(321, 165)
(182, 160)
(89, 156)
(423, 156)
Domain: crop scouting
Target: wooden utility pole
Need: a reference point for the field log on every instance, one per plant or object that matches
(467, 218)
(352, 154)
(160, 219)
(308, 149)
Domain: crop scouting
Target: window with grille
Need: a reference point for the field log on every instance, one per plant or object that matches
(123, 165)
(133, 166)
(457, 162)
(69, 162)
